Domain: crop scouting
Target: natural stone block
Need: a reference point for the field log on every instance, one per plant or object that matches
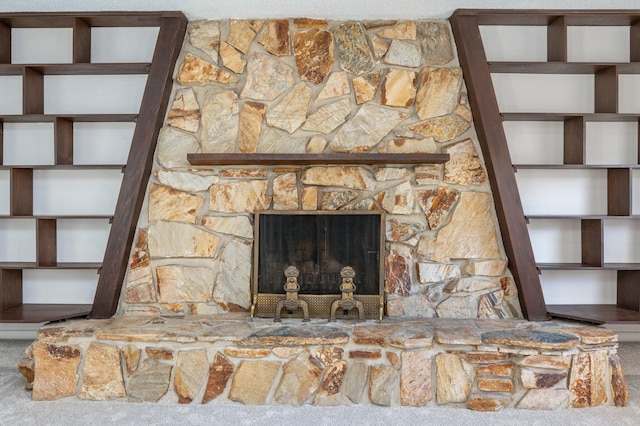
(442, 129)
(365, 86)
(437, 204)
(353, 48)
(534, 380)
(239, 226)
(471, 232)
(403, 53)
(399, 88)
(267, 78)
(232, 289)
(241, 34)
(486, 403)
(337, 85)
(412, 336)
(287, 352)
(102, 373)
(205, 35)
(551, 362)
(403, 230)
(464, 166)
(491, 306)
(285, 192)
(175, 206)
(291, 111)
(436, 43)
(247, 352)
(250, 123)
(408, 146)
(220, 120)
(275, 37)
(278, 141)
(384, 174)
(295, 336)
(310, 198)
(454, 378)
(486, 357)
(220, 372)
(231, 58)
(329, 390)
(495, 385)
(436, 272)
(379, 45)
(619, 387)
(329, 355)
(527, 338)
(355, 380)
(252, 381)
(239, 197)
(428, 174)
(140, 288)
(487, 268)
(328, 117)
(345, 177)
(458, 307)
(26, 366)
(418, 305)
(366, 129)
(56, 371)
(173, 147)
(365, 354)
(398, 267)
(375, 334)
(593, 335)
(383, 385)
(470, 284)
(195, 71)
(415, 379)
(439, 92)
(159, 353)
(502, 370)
(131, 358)
(309, 23)
(460, 335)
(544, 399)
(178, 283)
(150, 381)
(335, 200)
(185, 111)
(399, 199)
(183, 181)
(191, 371)
(300, 380)
(313, 50)
(404, 31)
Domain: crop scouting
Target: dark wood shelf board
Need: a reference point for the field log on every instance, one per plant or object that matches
(579, 217)
(61, 217)
(64, 166)
(38, 313)
(93, 19)
(622, 17)
(79, 118)
(576, 166)
(77, 69)
(59, 265)
(313, 159)
(561, 67)
(550, 116)
(571, 266)
(596, 314)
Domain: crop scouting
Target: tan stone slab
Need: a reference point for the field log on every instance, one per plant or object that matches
(309, 23)
(415, 379)
(376, 334)
(442, 129)
(26, 366)
(439, 92)
(220, 372)
(251, 118)
(291, 111)
(131, 357)
(299, 381)
(267, 78)
(404, 31)
(159, 353)
(173, 239)
(592, 335)
(504, 370)
(102, 373)
(399, 88)
(241, 34)
(329, 355)
(150, 381)
(275, 37)
(231, 58)
(394, 359)
(535, 380)
(185, 111)
(246, 352)
(198, 72)
(329, 390)
(544, 399)
(56, 371)
(535, 339)
(353, 48)
(295, 336)
(619, 386)
(412, 336)
(244, 173)
(495, 385)
(190, 375)
(355, 381)
(486, 402)
(486, 357)
(178, 283)
(205, 35)
(224, 330)
(239, 197)
(346, 177)
(555, 362)
(365, 354)
(365, 86)
(252, 381)
(383, 385)
(337, 85)
(285, 192)
(437, 46)
(314, 54)
(464, 166)
(454, 378)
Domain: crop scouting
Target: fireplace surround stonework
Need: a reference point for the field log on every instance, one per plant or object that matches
(453, 332)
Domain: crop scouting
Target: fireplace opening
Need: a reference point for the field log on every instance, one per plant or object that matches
(321, 246)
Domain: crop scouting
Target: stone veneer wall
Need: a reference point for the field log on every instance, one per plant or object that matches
(312, 86)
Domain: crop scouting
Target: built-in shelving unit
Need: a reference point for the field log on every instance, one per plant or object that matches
(619, 177)
(136, 170)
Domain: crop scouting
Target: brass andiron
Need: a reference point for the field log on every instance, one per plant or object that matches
(347, 302)
(291, 303)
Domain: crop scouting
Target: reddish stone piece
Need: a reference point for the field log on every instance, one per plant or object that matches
(220, 372)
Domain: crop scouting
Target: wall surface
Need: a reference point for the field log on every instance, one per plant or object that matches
(327, 9)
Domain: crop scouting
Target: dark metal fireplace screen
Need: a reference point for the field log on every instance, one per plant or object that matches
(319, 245)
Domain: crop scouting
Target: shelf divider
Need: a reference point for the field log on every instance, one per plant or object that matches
(557, 40)
(81, 41)
(619, 192)
(63, 141)
(46, 242)
(628, 292)
(592, 242)
(10, 288)
(32, 91)
(634, 42)
(21, 197)
(574, 140)
(606, 90)
(5, 44)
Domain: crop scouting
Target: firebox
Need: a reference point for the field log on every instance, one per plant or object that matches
(322, 264)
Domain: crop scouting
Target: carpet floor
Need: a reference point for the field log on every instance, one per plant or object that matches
(16, 407)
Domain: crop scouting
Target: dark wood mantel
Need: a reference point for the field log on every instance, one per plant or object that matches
(223, 159)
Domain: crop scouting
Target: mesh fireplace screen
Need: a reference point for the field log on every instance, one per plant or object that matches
(319, 245)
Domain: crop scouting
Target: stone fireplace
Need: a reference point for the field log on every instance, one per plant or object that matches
(452, 332)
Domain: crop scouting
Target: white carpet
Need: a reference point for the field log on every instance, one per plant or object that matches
(16, 408)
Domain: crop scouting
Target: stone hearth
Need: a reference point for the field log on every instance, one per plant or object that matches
(483, 365)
